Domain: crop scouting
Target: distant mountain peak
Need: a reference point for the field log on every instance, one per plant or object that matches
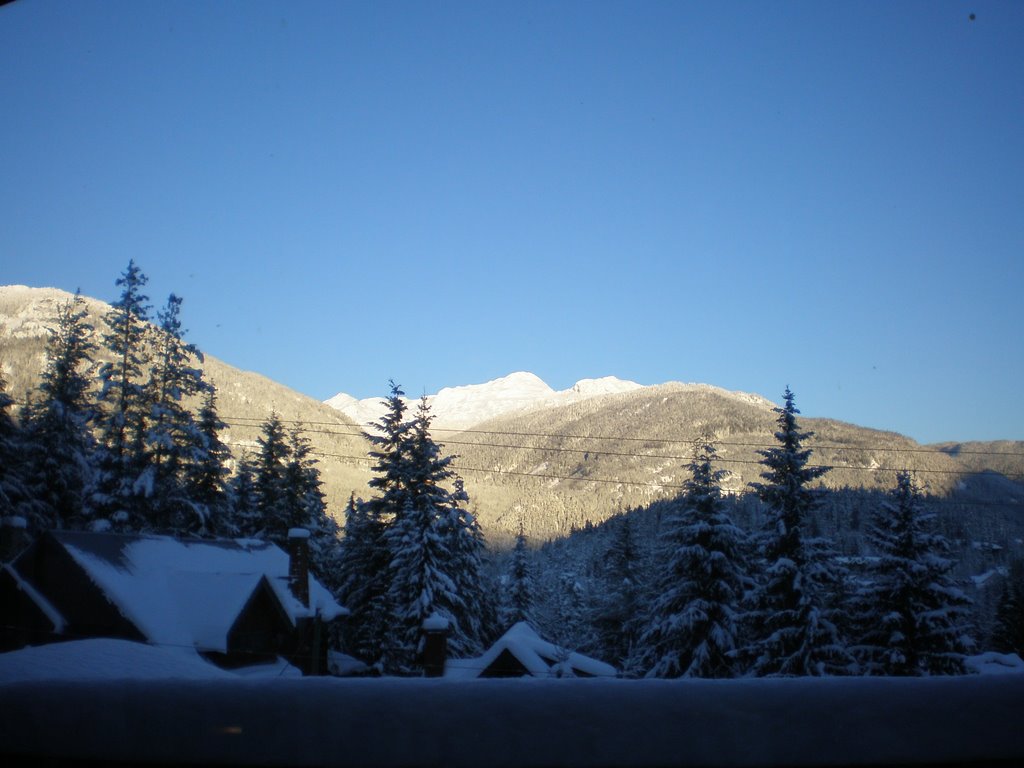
(464, 406)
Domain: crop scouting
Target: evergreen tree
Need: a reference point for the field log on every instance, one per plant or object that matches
(271, 481)
(123, 458)
(173, 435)
(392, 440)
(243, 517)
(520, 590)
(920, 623)
(61, 443)
(795, 626)
(436, 551)
(361, 570)
(1008, 632)
(16, 499)
(366, 554)
(306, 508)
(694, 624)
(615, 614)
(206, 471)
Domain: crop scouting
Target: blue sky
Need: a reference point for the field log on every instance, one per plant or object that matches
(824, 195)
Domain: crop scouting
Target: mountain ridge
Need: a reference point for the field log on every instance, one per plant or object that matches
(464, 406)
(605, 445)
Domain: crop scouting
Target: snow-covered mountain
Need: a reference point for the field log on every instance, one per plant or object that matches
(521, 392)
(462, 407)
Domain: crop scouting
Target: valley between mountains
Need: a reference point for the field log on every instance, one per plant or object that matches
(555, 461)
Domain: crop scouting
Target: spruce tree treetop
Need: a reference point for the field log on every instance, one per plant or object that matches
(787, 477)
(392, 443)
(116, 500)
(921, 616)
(693, 628)
(60, 421)
(794, 620)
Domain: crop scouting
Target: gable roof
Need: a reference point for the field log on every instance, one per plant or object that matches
(538, 657)
(188, 593)
(45, 607)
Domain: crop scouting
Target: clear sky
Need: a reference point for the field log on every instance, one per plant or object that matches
(825, 195)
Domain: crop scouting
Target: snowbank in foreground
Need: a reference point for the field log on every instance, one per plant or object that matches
(105, 659)
(525, 722)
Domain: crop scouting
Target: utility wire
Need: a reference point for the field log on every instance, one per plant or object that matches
(345, 429)
(670, 457)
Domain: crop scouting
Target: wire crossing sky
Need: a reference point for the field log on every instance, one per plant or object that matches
(751, 195)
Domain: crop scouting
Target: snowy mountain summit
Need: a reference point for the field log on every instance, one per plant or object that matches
(462, 407)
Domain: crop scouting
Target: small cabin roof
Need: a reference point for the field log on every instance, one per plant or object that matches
(188, 592)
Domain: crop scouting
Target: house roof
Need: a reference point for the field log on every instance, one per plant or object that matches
(539, 657)
(188, 593)
(45, 606)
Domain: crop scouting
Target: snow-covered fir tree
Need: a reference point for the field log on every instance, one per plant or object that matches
(16, 498)
(118, 498)
(436, 551)
(694, 624)
(1008, 629)
(361, 573)
(304, 499)
(562, 616)
(61, 443)
(243, 515)
(919, 623)
(366, 555)
(270, 482)
(793, 623)
(306, 508)
(616, 609)
(206, 471)
(173, 434)
(519, 587)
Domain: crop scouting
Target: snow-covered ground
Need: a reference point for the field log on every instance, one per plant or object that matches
(226, 719)
(105, 659)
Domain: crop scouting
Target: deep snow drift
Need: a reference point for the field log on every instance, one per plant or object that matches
(522, 722)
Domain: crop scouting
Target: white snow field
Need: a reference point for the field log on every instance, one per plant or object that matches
(521, 722)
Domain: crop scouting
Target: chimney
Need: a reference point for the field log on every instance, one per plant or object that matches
(435, 645)
(298, 564)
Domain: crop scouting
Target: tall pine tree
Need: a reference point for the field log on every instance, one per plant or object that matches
(794, 625)
(206, 471)
(436, 552)
(61, 442)
(920, 622)
(361, 573)
(615, 613)
(520, 591)
(694, 626)
(173, 434)
(118, 498)
(16, 498)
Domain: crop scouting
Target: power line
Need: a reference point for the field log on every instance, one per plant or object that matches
(675, 457)
(357, 431)
(617, 481)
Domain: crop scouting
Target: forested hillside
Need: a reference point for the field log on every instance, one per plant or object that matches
(245, 399)
(559, 468)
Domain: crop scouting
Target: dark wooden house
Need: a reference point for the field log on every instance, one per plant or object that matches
(237, 602)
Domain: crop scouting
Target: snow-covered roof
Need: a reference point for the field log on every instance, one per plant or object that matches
(105, 659)
(189, 593)
(539, 657)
